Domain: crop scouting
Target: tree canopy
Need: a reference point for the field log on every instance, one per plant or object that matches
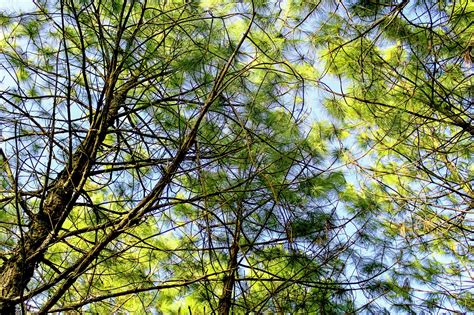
(205, 157)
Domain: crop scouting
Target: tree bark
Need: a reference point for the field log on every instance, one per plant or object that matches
(225, 301)
(18, 270)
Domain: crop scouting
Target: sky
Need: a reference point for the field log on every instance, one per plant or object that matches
(16, 4)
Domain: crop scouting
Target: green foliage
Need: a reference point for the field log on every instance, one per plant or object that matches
(160, 157)
(404, 93)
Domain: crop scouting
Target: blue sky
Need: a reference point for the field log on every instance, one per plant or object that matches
(16, 4)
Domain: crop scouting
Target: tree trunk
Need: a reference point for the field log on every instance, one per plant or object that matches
(17, 271)
(225, 301)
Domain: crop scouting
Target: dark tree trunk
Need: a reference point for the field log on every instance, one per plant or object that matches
(225, 301)
(18, 270)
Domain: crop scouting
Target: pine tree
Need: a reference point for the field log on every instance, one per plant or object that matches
(162, 156)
